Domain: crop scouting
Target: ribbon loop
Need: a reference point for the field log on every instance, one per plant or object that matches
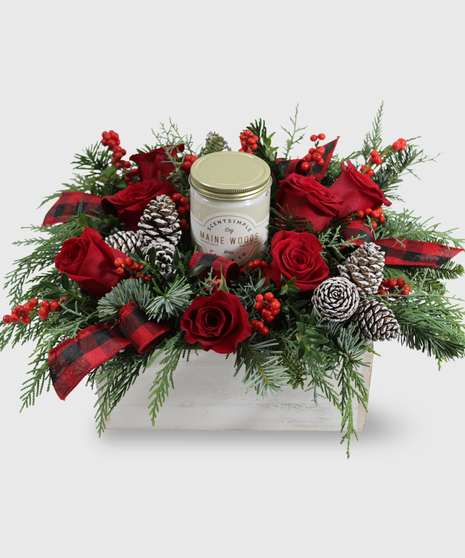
(229, 268)
(67, 204)
(73, 359)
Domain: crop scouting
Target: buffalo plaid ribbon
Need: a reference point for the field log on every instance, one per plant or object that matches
(229, 268)
(285, 168)
(67, 204)
(73, 359)
(402, 252)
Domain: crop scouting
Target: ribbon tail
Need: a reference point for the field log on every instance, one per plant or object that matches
(68, 203)
(219, 265)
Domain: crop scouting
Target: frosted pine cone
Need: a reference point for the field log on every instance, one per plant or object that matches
(364, 268)
(336, 299)
(376, 321)
(160, 229)
(125, 241)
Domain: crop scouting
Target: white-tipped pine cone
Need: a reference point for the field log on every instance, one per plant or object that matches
(336, 299)
(376, 321)
(159, 228)
(364, 268)
(125, 241)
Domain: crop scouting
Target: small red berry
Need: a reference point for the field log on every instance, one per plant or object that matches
(396, 145)
(120, 270)
(321, 150)
(184, 200)
(269, 296)
(147, 278)
(14, 318)
(382, 219)
(374, 225)
(391, 283)
(186, 165)
(401, 282)
(259, 306)
(313, 137)
(26, 320)
(34, 302)
(128, 261)
(382, 292)
(374, 153)
(6, 319)
(275, 304)
(321, 136)
(118, 262)
(181, 210)
(304, 166)
(361, 214)
(275, 311)
(266, 313)
(376, 215)
(54, 306)
(43, 313)
(182, 223)
(368, 211)
(259, 298)
(264, 331)
(176, 197)
(377, 160)
(370, 172)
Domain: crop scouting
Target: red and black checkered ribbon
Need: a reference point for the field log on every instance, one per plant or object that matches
(285, 168)
(402, 252)
(68, 203)
(218, 264)
(73, 359)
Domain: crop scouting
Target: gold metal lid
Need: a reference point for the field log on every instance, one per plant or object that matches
(230, 175)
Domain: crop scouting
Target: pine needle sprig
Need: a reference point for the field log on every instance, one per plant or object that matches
(94, 160)
(173, 348)
(113, 380)
(406, 226)
(214, 143)
(262, 366)
(431, 324)
(42, 257)
(171, 302)
(265, 149)
(294, 137)
(129, 290)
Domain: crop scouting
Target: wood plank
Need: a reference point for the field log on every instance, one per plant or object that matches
(207, 396)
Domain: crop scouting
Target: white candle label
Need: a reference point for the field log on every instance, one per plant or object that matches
(232, 236)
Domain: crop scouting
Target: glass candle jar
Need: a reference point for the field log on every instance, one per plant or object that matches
(230, 205)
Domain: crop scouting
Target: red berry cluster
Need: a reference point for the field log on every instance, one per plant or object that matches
(393, 286)
(269, 307)
(376, 216)
(249, 141)
(399, 145)
(111, 140)
(182, 207)
(130, 268)
(22, 311)
(213, 285)
(314, 155)
(256, 264)
(189, 160)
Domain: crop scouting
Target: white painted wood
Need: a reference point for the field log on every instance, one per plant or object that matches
(207, 396)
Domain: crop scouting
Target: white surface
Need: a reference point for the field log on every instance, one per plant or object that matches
(72, 70)
(207, 396)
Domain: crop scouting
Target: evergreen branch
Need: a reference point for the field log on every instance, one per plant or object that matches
(130, 290)
(170, 136)
(172, 303)
(174, 349)
(406, 226)
(264, 150)
(95, 159)
(432, 324)
(42, 257)
(262, 369)
(214, 143)
(113, 379)
(292, 139)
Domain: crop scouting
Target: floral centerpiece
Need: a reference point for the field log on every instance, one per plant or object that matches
(114, 280)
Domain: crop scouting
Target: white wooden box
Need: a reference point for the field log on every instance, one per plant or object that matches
(207, 396)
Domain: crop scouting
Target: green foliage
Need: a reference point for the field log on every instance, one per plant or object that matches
(295, 137)
(264, 150)
(432, 324)
(171, 301)
(126, 291)
(261, 362)
(406, 226)
(213, 143)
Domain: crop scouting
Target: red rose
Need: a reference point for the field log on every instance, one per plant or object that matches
(219, 322)
(297, 255)
(129, 204)
(89, 261)
(151, 163)
(309, 199)
(357, 191)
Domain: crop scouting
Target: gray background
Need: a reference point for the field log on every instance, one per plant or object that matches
(72, 70)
